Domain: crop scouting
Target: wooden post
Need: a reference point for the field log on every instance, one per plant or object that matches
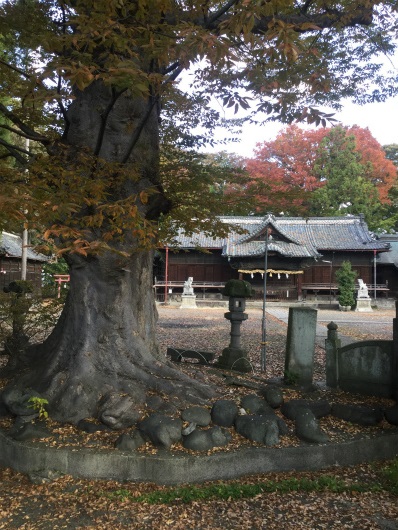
(166, 277)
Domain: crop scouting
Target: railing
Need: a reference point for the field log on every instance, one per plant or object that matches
(200, 288)
(205, 285)
(333, 288)
(274, 292)
(320, 286)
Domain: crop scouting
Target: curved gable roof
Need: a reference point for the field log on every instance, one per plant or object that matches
(293, 236)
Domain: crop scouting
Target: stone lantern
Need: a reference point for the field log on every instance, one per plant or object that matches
(234, 357)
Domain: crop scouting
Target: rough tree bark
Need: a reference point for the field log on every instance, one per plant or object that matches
(104, 343)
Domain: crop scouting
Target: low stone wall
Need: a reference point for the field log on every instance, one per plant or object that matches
(362, 367)
(366, 367)
(166, 468)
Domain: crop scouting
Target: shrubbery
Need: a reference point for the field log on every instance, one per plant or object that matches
(346, 280)
(25, 317)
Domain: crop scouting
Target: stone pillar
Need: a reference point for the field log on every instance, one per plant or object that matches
(300, 345)
(332, 345)
(236, 316)
(235, 357)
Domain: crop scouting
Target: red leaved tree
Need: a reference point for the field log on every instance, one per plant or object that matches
(284, 173)
(282, 170)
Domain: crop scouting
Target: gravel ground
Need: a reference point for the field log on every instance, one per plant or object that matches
(82, 504)
(206, 329)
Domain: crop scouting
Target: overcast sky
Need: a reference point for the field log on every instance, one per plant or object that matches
(380, 118)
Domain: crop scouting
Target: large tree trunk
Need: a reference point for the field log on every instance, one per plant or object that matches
(104, 343)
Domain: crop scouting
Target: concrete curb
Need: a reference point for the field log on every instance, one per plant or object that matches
(168, 468)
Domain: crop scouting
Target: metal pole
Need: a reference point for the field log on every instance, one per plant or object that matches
(24, 250)
(24, 255)
(263, 326)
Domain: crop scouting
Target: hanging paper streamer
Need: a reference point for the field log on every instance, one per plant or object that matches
(270, 271)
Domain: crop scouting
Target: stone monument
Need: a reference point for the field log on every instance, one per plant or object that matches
(363, 298)
(300, 345)
(188, 298)
(235, 357)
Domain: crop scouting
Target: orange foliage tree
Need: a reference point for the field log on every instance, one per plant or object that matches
(282, 171)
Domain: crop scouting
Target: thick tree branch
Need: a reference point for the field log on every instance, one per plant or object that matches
(152, 102)
(28, 131)
(60, 104)
(18, 132)
(104, 120)
(218, 14)
(170, 68)
(59, 83)
(15, 152)
(322, 20)
(15, 69)
(305, 7)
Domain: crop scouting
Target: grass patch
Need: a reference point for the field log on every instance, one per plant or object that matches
(236, 491)
(390, 474)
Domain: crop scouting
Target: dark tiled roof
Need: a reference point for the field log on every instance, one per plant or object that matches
(295, 236)
(200, 240)
(11, 245)
(333, 233)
